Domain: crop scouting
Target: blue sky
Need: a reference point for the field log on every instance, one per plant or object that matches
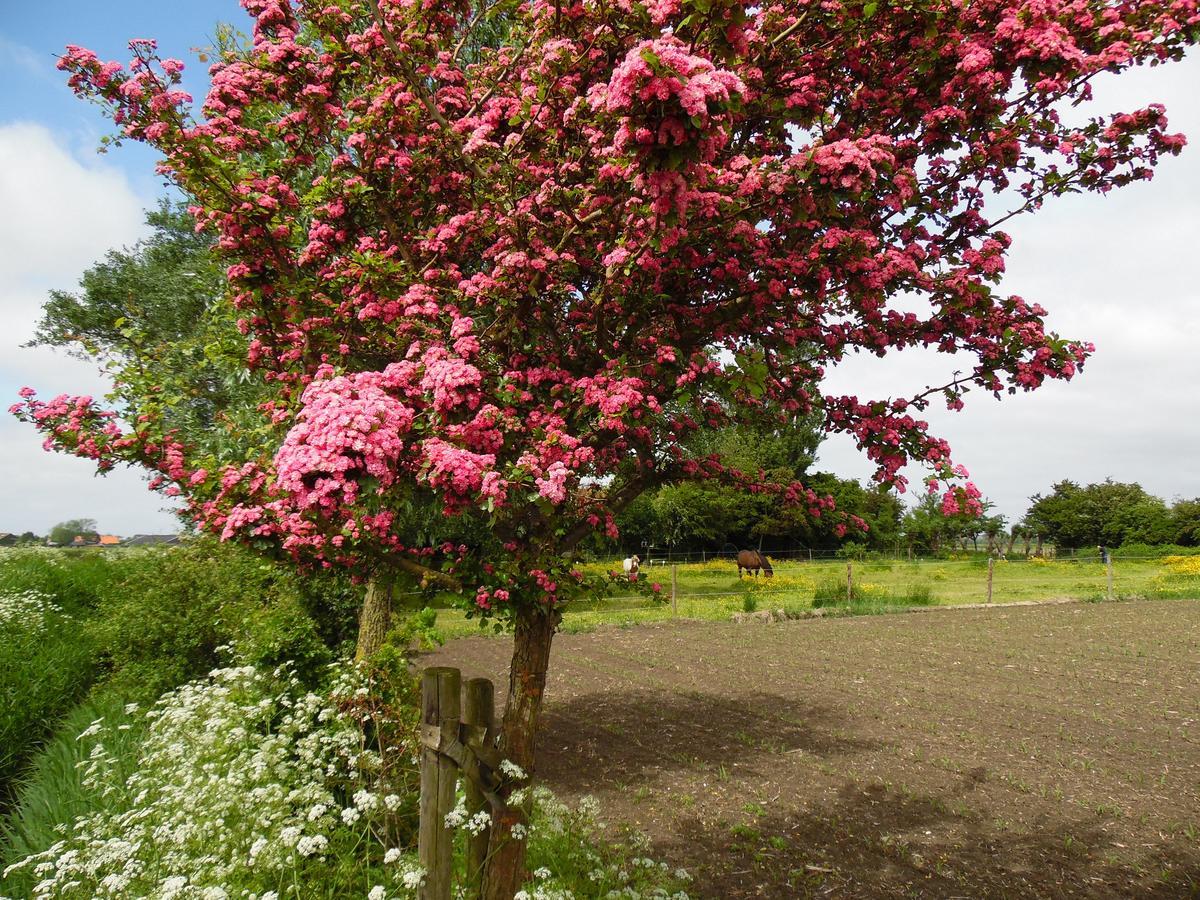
(1118, 270)
(32, 35)
(76, 204)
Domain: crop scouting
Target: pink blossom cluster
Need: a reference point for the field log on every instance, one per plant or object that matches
(349, 427)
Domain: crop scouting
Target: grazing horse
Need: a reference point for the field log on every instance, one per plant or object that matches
(752, 561)
(631, 567)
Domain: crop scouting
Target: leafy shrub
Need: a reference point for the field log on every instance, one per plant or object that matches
(917, 595)
(161, 623)
(749, 603)
(852, 550)
(1153, 551)
(46, 664)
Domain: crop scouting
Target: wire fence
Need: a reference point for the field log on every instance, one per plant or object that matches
(800, 581)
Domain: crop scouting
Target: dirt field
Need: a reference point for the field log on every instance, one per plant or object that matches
(1022, 752)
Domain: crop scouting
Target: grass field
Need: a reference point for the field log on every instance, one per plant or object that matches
(713, 591)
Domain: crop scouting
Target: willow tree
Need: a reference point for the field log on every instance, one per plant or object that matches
(513, 276)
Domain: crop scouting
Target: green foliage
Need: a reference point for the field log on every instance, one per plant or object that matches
(64, 533)
(72, 578)
(165, 619)
(749, 603)
(157, 316)
(852, 550)
(1110, 513)
(832, 591)
(46, 665)
(917, 595)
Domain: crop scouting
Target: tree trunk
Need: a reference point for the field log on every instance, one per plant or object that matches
(526, 684)
(1012, 539)
(375, 619)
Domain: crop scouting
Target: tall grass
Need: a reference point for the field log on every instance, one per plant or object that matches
(51, 793)
(47, 663)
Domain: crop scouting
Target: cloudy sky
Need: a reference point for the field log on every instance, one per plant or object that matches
(1116, 270)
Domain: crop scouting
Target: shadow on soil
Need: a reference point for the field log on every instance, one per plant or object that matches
(604, 738)
(871, 842)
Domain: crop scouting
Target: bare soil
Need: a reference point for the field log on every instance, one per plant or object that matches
(1014, 752)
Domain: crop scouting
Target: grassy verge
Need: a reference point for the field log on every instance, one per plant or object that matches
(712, 590)
(46, 664)
(52, 793)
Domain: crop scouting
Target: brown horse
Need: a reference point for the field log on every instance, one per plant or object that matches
(752, 561)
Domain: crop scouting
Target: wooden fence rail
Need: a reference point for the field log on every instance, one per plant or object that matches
(458, 729)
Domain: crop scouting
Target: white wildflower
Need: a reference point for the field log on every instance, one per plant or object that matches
(479, 822)
(350, 815)
(377, 893)
(366, 801)
(413, 878)
(312, 844)
(512, 770)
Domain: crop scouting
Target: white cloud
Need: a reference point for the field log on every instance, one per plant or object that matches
(1117, 270)
(60, 215)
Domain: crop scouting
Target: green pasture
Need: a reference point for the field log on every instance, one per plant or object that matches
(712, 590)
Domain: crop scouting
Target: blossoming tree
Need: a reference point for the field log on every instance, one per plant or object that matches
(512, 276)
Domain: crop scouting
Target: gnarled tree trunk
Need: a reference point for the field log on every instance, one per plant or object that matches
(526, 684)
(375, 619)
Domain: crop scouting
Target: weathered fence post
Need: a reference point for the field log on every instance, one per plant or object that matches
(1109, 567)
(439, 727)
(991, 569)
(849, 581)
(674, 590)
(479, 717)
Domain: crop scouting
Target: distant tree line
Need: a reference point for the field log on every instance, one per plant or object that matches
(1111, 514)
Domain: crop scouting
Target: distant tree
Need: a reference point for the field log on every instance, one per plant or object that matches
(1110, 513)
(993, 527)
(1185, 522)
(158, 318)
(28, 537)
(65, 532)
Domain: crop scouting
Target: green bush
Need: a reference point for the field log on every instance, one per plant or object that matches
(173, 612)
(917, 595)
(749, 603)
(1153, 551)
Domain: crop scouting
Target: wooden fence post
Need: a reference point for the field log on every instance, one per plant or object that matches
(479, 715)
(991, 568)
(849, 581)
(1109, 566)
(439, 719)
(674, 590)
